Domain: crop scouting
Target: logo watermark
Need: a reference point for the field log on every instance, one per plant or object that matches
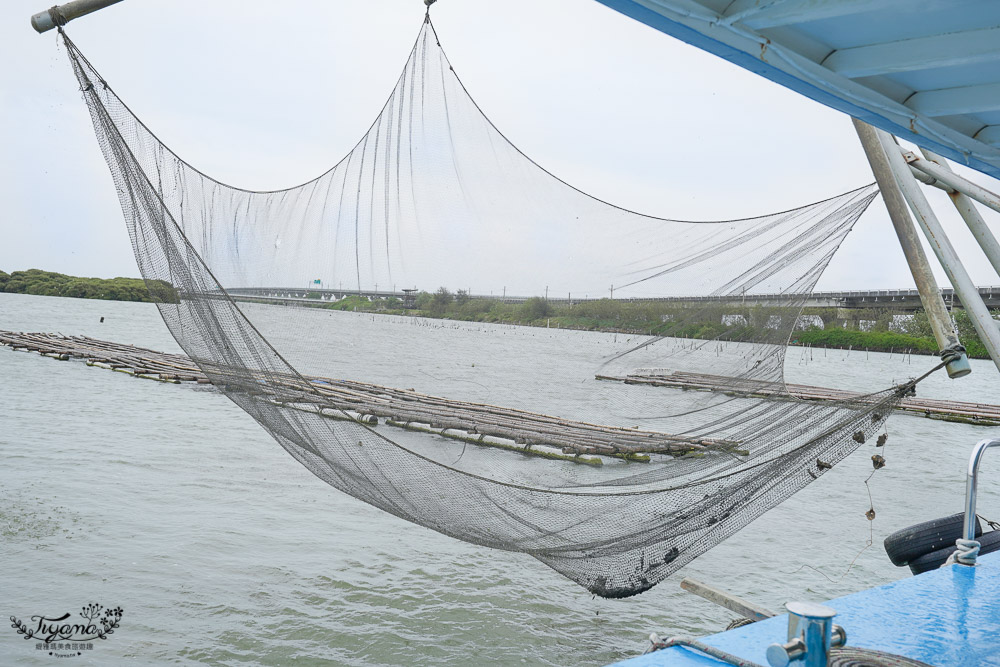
(64, 637)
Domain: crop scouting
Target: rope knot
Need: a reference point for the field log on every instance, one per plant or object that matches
(965, 553)
(952, 353)
(57, 16)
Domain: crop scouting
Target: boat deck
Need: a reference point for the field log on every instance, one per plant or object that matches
(948, 617)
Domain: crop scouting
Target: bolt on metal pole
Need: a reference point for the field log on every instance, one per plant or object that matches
(909, 241)
(62, 14)
(986, 326)
(967, 209)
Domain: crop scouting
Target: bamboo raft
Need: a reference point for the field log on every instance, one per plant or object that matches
(983, 414)
(483, 424)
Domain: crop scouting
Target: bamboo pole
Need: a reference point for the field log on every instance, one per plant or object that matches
(358, 401)
(925, 406)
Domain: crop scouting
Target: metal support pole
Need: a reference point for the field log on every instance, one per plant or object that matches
(930, 294)
(971, 482)
(930, 180)
(62, 14)
(947, 176)
(986, 326)
(967, 209)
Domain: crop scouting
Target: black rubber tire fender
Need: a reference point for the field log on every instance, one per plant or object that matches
(905, 545)
(988, 543)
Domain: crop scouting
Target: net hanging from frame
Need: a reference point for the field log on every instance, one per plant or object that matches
(434, 195)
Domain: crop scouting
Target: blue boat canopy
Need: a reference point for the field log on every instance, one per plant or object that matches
(928, 72)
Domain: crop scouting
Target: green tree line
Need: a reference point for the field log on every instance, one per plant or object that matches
(48, 283)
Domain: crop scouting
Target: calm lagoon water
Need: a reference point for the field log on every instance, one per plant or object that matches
(170, 502)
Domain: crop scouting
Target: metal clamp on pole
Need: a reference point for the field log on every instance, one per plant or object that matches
(943, 173)
(969, 533)
(60, 15)
(811, 635)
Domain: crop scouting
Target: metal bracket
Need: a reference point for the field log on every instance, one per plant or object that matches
(811, 635)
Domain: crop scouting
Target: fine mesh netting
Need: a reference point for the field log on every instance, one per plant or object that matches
(434, 196)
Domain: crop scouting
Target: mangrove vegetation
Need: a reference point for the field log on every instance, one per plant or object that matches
(48, 283)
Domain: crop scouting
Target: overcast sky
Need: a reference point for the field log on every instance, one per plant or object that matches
(269, 94)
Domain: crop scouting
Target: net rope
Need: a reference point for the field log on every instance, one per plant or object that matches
(434, 195)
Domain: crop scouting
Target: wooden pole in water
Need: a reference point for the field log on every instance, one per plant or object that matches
(909, 241)
(728, 600)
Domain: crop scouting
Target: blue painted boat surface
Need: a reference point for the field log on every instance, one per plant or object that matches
(948, 617)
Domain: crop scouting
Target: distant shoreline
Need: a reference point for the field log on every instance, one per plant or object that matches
(883, 334)
(647, 319)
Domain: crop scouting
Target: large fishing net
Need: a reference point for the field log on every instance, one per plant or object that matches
(615, 483)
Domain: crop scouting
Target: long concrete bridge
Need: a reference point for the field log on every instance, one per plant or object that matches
(897, 299)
